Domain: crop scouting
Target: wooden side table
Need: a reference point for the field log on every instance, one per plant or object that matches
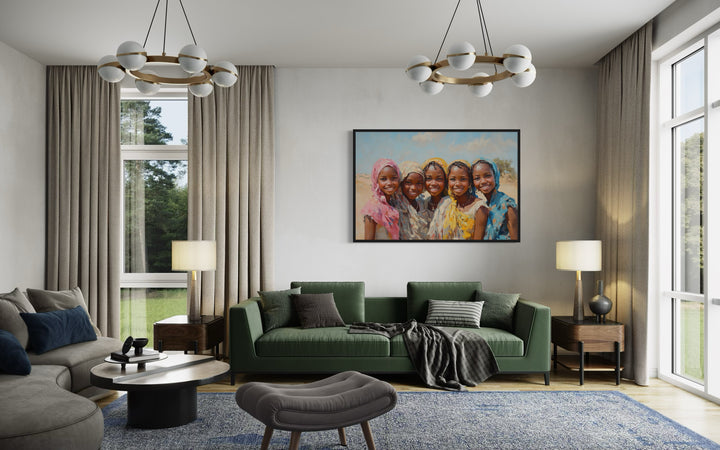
(585, 337)
(180, 333)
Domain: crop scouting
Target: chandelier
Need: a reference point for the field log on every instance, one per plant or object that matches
(516, 60)
(199, 76)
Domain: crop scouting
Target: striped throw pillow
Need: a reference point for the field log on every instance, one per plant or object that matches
(450, 313)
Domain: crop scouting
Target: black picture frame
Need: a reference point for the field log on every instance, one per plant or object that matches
(413, 148)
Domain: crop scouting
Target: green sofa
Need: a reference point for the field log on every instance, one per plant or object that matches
(331, 350)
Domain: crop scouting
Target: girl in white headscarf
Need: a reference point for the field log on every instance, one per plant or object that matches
(413, 218)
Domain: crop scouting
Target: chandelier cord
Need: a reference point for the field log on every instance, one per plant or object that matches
(165, 29)
(151, 23)
(188, 22)
(447, 31)
(486, 32)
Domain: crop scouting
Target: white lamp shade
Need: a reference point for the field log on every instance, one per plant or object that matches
(517, 58)
(147, 87)
(193, 255)
(524, 79)
(480, 90)
(108, 71)
(200, 89)
(431, 87)
(225, 75)
(461, 56)
(192, 58)
(419, 73)
(578, 255)
(131, 55)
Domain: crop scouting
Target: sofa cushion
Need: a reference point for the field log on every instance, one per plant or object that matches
(13, 359)
(349, 296)
(11, 321)
(54, 329)
(42, 413)
(277, 309)
(45, 301)
(78, 358)
(19, 299)
(419, 292)
(498, 309)
(317, 310)
(454, 314)
(335, 341)
(501, 342)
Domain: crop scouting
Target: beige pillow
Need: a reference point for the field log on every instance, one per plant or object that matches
(45, 301)
(11, 321)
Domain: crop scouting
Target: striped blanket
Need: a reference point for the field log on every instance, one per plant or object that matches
(444, 358)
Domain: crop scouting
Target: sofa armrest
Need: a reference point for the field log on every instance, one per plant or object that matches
(532, 325)
(245, 329)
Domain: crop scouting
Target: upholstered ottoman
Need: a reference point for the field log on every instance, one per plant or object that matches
(344, 399)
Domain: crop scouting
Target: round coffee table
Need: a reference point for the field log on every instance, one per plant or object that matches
(163, 393)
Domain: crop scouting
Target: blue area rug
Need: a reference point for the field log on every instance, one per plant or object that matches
(436, 420)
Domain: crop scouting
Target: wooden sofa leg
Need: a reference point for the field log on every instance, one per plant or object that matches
(368, 435)
(295, 440)
(343, 439)
(266, 438)
(547, 378)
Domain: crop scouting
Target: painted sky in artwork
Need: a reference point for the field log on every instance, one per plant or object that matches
(419, 146)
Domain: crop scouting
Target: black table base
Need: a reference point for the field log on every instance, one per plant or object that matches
(162, 408)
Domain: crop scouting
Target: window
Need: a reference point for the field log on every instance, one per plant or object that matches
(688, 204)
(153, 138)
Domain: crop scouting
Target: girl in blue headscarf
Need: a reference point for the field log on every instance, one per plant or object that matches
(502, 223)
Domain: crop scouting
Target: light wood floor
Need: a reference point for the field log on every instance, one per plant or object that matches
(694, 412)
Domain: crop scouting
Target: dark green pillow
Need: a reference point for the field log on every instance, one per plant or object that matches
(278, 310)
(498, 310)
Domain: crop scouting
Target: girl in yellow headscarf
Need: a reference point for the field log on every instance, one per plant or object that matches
(461, 215)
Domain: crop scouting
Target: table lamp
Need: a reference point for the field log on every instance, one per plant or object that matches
(578, 256)
(193, 256)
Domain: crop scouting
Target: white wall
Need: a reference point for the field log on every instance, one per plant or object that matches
(22, 170)
(317, 109)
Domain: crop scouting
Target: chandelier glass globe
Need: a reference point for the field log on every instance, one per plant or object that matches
(192, 59)
(131, 55)
(226, 76)
(526, 78)
(147, 87)
(480, 90)
(419, 72)
(108, 71)
(431, 87)
(201, 89)
(517, 58)
(461, 56)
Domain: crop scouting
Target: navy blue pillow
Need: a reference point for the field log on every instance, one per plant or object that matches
(53, 329)
(13, 359)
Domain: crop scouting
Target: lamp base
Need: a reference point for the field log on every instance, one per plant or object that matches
(194, 304)
(578, 308)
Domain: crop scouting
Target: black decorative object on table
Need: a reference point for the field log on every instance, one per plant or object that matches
(139, 357)
(600, 305)
(139, 343)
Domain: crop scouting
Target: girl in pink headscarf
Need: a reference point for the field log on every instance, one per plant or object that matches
(381, 219)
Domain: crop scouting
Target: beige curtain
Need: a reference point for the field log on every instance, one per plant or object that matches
(231, 167)
(83, 190)
(622, 217)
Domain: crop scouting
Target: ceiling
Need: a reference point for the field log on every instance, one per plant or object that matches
(322, 33)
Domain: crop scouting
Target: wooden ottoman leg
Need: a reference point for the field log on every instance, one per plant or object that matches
(343, 440)
(266, 438)
(295, 440)
(368, 435)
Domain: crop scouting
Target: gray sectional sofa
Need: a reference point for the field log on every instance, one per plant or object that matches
(52, 406)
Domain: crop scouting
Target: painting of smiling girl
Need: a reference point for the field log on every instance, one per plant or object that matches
(381, 219)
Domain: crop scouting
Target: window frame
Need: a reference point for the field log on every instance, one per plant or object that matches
(150, 152)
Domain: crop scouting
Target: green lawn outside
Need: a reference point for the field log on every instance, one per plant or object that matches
(141, 308)
(692, 340)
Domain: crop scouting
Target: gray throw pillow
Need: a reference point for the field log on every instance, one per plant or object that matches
(450, 313)
(11, 321)
(19, 299)
(317, 310)
(498, 310)
(277, 309)
(46, 301)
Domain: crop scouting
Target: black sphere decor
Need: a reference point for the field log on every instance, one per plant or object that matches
(600, 305)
